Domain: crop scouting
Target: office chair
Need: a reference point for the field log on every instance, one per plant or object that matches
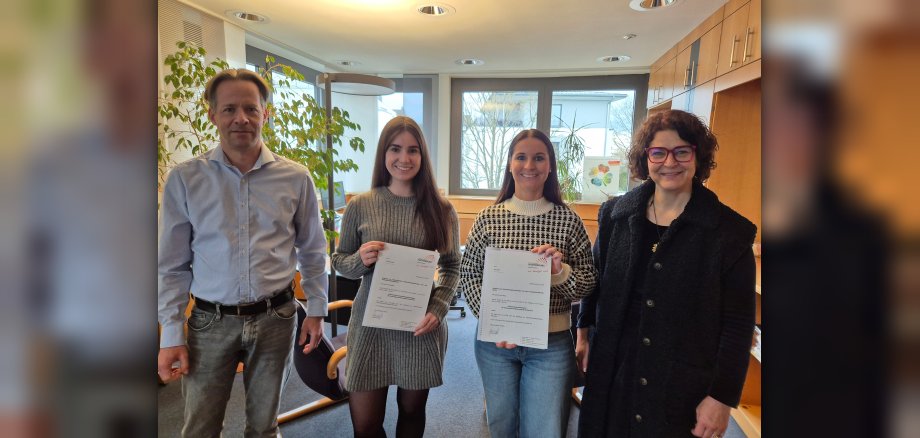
(323, 369)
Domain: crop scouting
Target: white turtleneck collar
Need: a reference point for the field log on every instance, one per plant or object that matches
(527, 208)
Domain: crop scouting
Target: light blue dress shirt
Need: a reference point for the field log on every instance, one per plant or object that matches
(234, 238)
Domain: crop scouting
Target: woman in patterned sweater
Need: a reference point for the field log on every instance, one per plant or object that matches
(527, 389)
(402, 208)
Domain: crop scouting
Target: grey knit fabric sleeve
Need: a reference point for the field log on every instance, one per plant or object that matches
(346, 259)
(472, 263)
(448, 272)
(577, 254)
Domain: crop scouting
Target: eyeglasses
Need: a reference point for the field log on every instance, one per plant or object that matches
(682, 154)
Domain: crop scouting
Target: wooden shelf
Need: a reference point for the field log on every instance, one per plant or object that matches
(748, 419)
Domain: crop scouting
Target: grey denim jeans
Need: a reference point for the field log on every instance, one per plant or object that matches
(263, 343)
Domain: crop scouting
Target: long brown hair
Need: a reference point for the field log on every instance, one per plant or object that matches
(551, 190)
(430, 207)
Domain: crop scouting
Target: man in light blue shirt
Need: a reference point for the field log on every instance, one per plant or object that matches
(235, 222)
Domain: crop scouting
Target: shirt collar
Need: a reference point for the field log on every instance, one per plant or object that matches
(265, 156)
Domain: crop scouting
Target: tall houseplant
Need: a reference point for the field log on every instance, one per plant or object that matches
(569, 161)
(296, 126)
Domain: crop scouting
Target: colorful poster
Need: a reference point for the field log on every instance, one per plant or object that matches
(601, 179)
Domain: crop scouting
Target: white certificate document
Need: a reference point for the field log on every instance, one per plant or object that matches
(401, 288)
(515, 298)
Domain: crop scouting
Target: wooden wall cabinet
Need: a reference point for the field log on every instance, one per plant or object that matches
(731, 48)
(754, 32)
(708, 59)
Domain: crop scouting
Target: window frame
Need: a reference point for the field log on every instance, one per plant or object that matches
(544, 88)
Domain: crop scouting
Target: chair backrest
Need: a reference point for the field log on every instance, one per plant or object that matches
(312, 367)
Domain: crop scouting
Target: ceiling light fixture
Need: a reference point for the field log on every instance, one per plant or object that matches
(615, 58)
(650, 5)
(347, 63)
(436, 9)
(248, 16)
(470, 61)
(629, 36)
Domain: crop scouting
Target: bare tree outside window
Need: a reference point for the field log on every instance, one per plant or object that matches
(490, 121)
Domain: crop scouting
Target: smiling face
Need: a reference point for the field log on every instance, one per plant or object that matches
(671, 175)
(238, 115)
(403, 158)
(530, 167)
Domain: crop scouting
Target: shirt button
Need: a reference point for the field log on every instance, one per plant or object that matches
(642, 381)
(638, 418)
(650, 303)
(657, 266)
(646, 342)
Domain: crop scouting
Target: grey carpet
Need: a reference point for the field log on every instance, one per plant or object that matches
(455, 409)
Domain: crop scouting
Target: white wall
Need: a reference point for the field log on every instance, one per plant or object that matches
(363, 111)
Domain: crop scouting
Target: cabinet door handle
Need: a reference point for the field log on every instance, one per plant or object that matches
(687, 77)
(731, 57)
(747, 40)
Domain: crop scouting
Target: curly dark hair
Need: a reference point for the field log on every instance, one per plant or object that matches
(689, 127)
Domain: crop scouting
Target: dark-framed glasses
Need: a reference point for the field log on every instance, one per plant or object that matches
(682, 154)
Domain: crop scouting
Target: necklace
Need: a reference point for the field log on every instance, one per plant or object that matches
(655, 215)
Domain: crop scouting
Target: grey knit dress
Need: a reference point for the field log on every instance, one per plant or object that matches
(381, 357)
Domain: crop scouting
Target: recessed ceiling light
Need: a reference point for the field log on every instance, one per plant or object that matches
(436, 9)
(248, 16)
(650, 5)
(347, 63)
(629, 36)
(470, 61)
(616, 58)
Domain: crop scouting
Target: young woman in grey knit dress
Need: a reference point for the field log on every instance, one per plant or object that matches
(528, 390)
(402, 208)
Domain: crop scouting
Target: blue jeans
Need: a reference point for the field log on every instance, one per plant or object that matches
(528, 391)
(216, 343)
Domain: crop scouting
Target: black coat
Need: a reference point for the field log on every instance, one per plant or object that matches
(698, 313)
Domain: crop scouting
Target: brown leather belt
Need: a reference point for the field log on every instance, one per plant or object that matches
(282, 297)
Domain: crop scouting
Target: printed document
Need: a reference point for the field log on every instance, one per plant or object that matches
(401, 288)
(515, 298)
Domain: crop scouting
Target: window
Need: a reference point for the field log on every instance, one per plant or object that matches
(598, 112)
(556, 119)
(490, 120)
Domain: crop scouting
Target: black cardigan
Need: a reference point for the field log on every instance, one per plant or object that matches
(698, 314)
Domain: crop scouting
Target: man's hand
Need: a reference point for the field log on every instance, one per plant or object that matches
(313, 326)
(165, 360)
(427, 324)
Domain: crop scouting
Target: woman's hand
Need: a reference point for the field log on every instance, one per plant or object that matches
(581, 349)
(711, 418)
(369, 252)
(551, 253)
(504, 344)
(428, 323)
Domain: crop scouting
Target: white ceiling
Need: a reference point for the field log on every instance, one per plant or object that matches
(519, 37)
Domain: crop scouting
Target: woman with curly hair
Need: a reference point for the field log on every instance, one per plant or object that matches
(673, 311)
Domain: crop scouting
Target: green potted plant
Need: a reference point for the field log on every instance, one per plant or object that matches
(570, 155)
(297, 123)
